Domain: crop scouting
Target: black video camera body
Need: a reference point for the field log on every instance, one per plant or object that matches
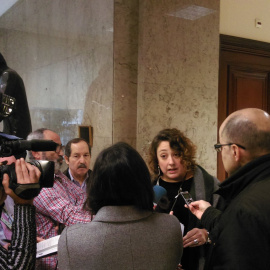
(29, 191)
(11, 145)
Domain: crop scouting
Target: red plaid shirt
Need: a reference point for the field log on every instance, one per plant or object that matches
(61, 204)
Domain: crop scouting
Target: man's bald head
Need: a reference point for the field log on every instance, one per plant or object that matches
(249, 128)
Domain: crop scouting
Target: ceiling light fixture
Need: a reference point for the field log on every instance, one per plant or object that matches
(192, 12)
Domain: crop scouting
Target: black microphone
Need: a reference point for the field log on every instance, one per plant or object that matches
(19, 146)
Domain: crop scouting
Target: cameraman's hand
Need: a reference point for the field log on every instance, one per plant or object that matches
(26, 174)
(3, 195)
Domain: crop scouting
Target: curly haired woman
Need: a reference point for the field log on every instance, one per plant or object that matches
(172, 163)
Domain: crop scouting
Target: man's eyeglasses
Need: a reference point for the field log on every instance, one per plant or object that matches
(58, 148)
(218, 146)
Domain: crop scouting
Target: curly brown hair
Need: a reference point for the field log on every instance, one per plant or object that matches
(179, 143)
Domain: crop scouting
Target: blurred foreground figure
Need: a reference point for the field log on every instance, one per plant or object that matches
(7, 215)
(125, 233)
(240, 232)
(21, 253)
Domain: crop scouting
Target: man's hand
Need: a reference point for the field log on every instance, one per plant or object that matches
(3, 195)
(197, 208)
(26, 174)
(195, 237)
(39, 239)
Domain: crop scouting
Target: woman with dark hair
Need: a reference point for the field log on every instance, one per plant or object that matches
(172, 163)
(125, 232)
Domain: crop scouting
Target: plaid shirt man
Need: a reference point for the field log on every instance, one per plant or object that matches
(61, 204)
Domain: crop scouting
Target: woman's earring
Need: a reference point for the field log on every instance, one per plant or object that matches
(159, 172)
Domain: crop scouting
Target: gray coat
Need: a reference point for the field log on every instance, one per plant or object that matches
(122, 237)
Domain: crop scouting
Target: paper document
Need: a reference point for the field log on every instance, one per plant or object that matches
(47, 247)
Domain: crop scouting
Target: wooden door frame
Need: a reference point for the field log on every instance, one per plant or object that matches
(238, 45)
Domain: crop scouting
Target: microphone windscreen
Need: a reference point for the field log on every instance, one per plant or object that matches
(159, 192)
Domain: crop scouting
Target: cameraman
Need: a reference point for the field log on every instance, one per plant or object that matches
(6, 218)
(21, 253)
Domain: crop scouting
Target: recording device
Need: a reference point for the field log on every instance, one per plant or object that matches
(29, 191)
(11, 145)
(159, 192)
(10, 148)
(187, 197)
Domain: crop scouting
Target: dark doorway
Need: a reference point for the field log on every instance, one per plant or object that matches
(244, 72)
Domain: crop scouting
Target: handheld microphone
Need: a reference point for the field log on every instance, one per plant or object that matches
(159, 192)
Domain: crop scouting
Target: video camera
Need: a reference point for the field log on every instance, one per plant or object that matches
(11, 145)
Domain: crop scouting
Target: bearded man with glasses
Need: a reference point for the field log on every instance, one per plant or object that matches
(240, 231)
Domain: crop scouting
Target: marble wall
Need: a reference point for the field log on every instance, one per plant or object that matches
(64, 52)
(126, 67)
(178, 73)
(126, 21)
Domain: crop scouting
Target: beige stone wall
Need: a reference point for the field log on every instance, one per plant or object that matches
(126, 19)
(178, 73)
(64, 52)
(126, 67)
(238, 18)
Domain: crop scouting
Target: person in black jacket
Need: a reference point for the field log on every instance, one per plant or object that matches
(240, 231)
(11, 84)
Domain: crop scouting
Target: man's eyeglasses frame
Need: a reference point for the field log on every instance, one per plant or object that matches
(218, 146)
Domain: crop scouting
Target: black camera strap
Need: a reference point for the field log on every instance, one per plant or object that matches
(26, 191)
